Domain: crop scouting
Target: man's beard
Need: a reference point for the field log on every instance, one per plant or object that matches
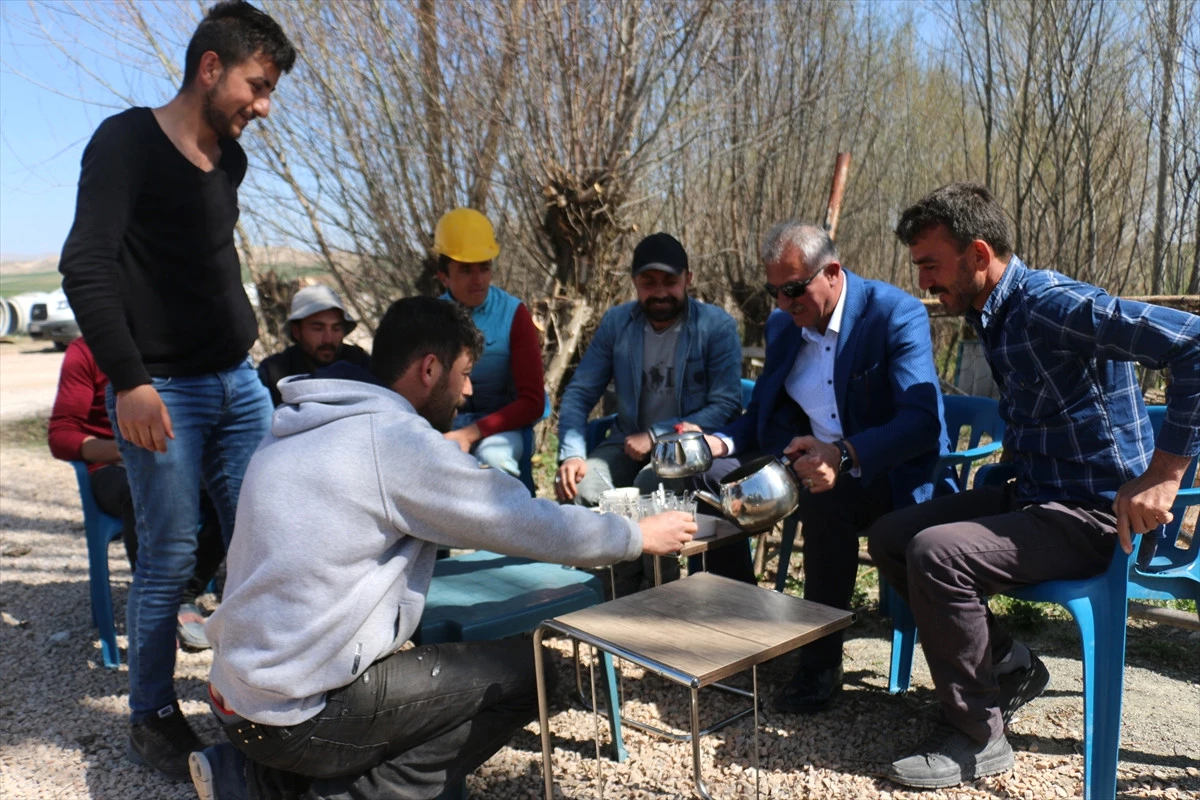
(218, 121)
(325, 355)
(960, 294)
(442, 407)
(664, 309)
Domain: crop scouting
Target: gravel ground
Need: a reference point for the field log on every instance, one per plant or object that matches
(62, 716)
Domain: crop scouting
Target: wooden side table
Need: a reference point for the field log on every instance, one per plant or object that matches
(694, 632)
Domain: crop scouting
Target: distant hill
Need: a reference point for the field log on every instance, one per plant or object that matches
(19, 273)
(27, 265)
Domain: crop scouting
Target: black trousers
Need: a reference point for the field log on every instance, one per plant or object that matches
(410, 724)
(945, 557)
(831, 523)
(110, 488)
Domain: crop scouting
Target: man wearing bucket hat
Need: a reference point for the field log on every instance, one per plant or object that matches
(509, 384)
(318, 324)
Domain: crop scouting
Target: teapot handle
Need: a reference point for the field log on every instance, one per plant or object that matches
(787, 465)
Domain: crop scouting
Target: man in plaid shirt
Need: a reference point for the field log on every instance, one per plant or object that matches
(1089, 473)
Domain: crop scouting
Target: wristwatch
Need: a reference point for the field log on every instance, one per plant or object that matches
(847, 461)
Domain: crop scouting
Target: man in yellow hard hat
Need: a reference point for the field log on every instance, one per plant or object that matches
(509, 392)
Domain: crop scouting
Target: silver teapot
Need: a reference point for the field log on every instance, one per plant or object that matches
(758, 493)
(678, 455)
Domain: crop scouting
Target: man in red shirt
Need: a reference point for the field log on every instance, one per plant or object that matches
(81, 431)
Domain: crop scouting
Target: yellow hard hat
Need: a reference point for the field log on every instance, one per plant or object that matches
(465, 236)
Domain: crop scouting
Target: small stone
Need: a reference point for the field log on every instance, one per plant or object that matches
(12, 621)
(16, 550)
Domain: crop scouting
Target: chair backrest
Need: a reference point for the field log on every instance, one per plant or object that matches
(1164, 570)
(979, 415)
(747, 391)
(93, 517)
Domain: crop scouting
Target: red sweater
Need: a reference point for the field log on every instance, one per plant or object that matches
(79, 411)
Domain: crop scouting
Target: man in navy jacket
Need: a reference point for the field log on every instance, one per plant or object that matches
(850, 392)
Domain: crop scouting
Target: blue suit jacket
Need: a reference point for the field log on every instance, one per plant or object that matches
(885, 383)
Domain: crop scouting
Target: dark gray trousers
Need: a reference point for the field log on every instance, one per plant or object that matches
(948, 555)
(408, 726)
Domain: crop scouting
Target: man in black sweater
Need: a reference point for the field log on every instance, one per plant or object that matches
(318, 325)
(154, 279)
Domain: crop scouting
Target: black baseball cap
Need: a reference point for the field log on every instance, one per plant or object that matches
(660, 251)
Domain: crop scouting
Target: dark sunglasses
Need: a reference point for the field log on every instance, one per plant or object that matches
(792, 289)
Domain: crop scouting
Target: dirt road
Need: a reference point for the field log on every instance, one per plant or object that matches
(28, 378)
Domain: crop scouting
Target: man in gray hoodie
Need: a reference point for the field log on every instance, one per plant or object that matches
(343, 508)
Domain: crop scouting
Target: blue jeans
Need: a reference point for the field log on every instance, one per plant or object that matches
(500, 451)
(218, 420)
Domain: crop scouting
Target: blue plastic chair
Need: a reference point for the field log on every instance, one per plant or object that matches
(482, 595)
(525, 462)
(979, 415)
(1099, 606)
(1167, 572)
(100, 530)
(747, 392)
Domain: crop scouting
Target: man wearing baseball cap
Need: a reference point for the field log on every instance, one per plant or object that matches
(317, 324)
(671, 358)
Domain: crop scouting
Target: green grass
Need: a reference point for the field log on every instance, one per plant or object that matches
(33, 282)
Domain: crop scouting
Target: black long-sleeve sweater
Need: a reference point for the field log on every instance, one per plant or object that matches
(150, 267)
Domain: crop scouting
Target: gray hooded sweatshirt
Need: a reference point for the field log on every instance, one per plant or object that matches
(342, 510)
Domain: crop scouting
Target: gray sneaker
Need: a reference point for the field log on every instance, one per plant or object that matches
(219, 773)
(950, 757)
(189, 627)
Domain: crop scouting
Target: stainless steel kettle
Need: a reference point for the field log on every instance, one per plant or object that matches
(678, 455)
(758, 493)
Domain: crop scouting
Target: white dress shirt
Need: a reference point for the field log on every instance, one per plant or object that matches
(810, 383)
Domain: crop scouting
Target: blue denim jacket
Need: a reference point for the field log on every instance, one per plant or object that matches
(709, 357)
(1062, 353)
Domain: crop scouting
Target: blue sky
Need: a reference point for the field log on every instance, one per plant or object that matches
(42, 136)
(43, 132)
(48, 110)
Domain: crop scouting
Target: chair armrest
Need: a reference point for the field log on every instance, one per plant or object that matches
(982, 451)
(968, 456)
(1186, 497)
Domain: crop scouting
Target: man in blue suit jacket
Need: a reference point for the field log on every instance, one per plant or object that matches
(850, 392)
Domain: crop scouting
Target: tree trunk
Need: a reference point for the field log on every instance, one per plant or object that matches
(1167, 47)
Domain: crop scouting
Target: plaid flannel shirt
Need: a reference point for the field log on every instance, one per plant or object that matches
(1063, 353)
